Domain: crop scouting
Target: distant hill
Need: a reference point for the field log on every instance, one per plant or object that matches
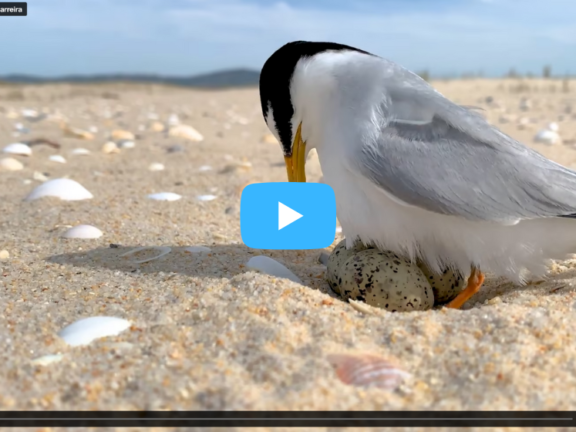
(220, 79)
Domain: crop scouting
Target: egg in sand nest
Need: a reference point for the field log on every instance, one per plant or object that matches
(386, 280)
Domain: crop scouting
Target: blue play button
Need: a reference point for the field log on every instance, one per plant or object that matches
(288, 216)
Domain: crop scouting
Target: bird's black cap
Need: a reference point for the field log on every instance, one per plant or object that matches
(275, 81)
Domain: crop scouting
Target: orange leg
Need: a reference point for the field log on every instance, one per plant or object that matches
(475, 281)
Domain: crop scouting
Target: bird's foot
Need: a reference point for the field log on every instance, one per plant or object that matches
(475, 281)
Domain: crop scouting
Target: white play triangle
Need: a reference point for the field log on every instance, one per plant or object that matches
(286, 215)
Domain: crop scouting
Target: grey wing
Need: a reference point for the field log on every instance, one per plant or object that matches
(439, 156)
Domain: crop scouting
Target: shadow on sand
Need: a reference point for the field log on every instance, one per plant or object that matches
(228, 261)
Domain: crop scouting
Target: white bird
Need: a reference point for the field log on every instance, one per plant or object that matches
(414, 172)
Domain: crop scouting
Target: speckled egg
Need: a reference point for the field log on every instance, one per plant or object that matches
(446, 286)
(336, 262)
(385, 280)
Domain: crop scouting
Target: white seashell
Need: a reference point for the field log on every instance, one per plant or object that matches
(156, 166)
(18, 148)
(83, 232)
(10, 164)
(86, 330)
(547, 136)
(206, 197)
(186, 132)
(63, 188)
(4, 255)
(19, 126)
(204, 168)
(165, 196)
(47, 359)
(272, 267)
(93, 129)
(57, 158)
(367, 370)
(126, 144)
(110, 147)
(197, 249)
(29, 113)
(81, 152)
(141, 128)
(163, 250)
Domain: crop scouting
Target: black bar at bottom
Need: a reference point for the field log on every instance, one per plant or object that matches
(286, 418)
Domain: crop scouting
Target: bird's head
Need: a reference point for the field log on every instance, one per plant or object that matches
(276, 97)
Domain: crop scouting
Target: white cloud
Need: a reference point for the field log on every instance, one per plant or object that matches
(184, 36)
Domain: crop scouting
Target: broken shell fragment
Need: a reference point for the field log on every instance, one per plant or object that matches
(272, 267)
(165, 196)
(186, 132)
(126, 144)
(57, 158)
(162, 250)
(110, 147)
(84, 331)
(18, 149)
(206, 197)
(197, 249)
(156, 166)
(119, 134)
(81, 152)
(367, 370)
(83, 232)
(63, 188)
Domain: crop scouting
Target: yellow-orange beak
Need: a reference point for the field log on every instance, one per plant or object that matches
(295, 164)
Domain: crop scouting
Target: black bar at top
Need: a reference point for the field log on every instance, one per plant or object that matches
(13, 9)
(287, 418)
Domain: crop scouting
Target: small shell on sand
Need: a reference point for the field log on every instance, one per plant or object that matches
(18, 149)
(110, 147)
(162, 250)
(272, 267)
(156, 166)
(81, 152)
(4, 255)
(367, 370)
(86, 330)
(77, 133)
(186, 132)
(206, 197)
(63, 188)
(546, 136)
(38, 176)
(57, 158)
(165, 196)
(126, 144)
(83, 232)
(120, 134)
(197, 249)
(47, 359)
(10, 164)
(205, 168)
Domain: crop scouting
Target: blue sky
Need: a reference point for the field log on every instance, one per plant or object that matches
(185, 37)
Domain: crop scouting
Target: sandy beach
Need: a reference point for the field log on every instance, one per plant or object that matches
(206, 332)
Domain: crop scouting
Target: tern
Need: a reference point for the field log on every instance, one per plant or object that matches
(414, 172)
